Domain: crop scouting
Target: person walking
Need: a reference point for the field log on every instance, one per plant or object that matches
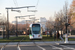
(58, 35)
(54, 36)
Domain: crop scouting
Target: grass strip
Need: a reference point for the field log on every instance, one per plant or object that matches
(17, 39)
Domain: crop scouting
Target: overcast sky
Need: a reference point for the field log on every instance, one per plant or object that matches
(45, 8)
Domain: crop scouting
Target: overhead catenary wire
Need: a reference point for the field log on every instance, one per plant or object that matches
(16, 4)
(36, 6)
(35, 9)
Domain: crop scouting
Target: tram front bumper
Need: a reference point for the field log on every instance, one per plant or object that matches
(31, 37)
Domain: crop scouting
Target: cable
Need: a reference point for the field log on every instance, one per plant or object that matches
(36, 6)
(16, 4)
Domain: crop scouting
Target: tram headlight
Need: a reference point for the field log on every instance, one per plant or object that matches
(38, 35)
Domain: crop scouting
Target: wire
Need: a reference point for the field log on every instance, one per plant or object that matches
(16, 4)
(36, 6)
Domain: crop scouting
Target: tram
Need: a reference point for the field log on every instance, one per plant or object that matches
(35, 31)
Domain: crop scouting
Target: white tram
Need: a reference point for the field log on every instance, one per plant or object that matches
(35, 31)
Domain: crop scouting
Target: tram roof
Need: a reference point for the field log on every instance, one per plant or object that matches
(32, 24)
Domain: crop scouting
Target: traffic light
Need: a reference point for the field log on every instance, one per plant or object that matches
(67, 24)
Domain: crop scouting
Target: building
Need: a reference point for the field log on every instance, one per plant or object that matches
(43, 23)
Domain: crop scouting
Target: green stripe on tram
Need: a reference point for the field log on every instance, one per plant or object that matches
(40, 35)
(30, 35)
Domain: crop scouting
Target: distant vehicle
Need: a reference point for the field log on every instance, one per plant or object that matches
(35, 31)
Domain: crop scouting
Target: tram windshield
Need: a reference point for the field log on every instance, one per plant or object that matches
(36, 28)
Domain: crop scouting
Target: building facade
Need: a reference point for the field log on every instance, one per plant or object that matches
(43, 23)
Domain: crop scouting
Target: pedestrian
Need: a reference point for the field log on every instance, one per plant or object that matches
(58, 35)
(54, 36)
(50, 33)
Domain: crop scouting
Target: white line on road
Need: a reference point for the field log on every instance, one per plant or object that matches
(54, 47)
(67, 47)
(19, 47)
(39, 46)
(57, 48)
(2, 48)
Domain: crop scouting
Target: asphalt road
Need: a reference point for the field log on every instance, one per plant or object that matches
(10, 48)
(0, 47)
(41, 47)
(48, 47)
(29, 48)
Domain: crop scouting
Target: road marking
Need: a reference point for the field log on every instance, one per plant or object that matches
(57, 48)
(2, 48)
(19, 43)
(41, 47)
(62, 48)
(19, 47)
(54, 47)
(38, 46)
(67, 47)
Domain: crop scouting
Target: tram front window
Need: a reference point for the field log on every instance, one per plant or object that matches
(36, 29)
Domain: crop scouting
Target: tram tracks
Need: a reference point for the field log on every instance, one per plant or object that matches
(7, 44)
(38, 45)
(18, 47)
(3, 47)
